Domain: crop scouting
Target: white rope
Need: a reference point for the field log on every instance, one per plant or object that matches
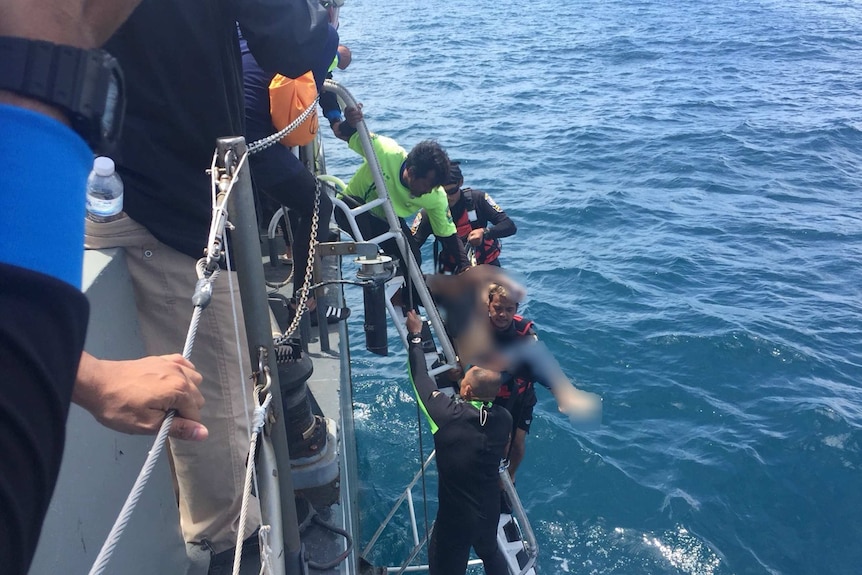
(252, 424)
(201, 298)
(258, 421)
(266, 566)
(129, 506)
(234, 307)
(131, 502)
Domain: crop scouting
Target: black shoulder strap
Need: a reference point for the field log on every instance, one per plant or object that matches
(467, 194)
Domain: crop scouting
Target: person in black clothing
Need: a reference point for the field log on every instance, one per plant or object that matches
(280, 178)
(481, 222)
(470, 436)
(517, 393)
(44, 319)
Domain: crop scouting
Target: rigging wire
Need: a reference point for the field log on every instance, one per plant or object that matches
(408, 286)
(421, 456)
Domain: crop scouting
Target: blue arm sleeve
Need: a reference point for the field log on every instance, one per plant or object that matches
(45, 172)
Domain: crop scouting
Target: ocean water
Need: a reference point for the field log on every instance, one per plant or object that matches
(686, 181)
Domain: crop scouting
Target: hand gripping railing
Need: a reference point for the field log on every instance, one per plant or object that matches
(394, 222)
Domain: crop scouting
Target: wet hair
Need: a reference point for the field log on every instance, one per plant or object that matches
(427, 156)
(455, 176)
(498, 290)
(485, 383)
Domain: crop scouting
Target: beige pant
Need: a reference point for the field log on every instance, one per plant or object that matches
(209, 474)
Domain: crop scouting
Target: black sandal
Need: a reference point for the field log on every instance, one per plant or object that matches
(333, 315)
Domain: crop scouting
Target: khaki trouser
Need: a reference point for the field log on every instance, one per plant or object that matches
(209, 474)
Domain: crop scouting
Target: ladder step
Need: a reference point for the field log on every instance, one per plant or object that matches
(361, 209)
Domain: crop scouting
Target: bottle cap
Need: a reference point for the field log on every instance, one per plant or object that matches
(103, 166)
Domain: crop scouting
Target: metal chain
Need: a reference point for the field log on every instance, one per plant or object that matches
(309, 270)
(259, 146)
(207, 270)
(268, 141)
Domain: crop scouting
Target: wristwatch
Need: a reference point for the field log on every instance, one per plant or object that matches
(414, 337)
(86, 85)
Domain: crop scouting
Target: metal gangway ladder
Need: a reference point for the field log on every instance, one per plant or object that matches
(515, 536)
(413, 271)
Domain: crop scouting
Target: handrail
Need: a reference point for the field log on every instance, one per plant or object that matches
(395, 228)
(398, 503)
(528, 537)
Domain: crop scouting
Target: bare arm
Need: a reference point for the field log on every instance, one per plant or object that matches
(133, 396)
(79, 23)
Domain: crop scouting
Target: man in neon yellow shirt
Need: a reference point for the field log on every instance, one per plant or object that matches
(414, 182)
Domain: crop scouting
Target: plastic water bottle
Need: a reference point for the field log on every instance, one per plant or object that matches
(104, 192)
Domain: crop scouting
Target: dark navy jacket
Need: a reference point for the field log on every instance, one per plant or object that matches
(183, 71)
(271, 165)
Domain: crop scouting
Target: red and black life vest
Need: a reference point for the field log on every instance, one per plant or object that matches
(520, 385)
(486, 252)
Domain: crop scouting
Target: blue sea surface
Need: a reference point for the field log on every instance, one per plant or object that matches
(686, 179)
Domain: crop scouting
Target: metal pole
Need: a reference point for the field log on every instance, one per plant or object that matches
(248, 259)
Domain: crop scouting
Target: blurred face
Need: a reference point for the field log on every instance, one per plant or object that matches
(419, 185)
(501, 310)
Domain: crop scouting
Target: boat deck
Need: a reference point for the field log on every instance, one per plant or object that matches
(332, 398)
